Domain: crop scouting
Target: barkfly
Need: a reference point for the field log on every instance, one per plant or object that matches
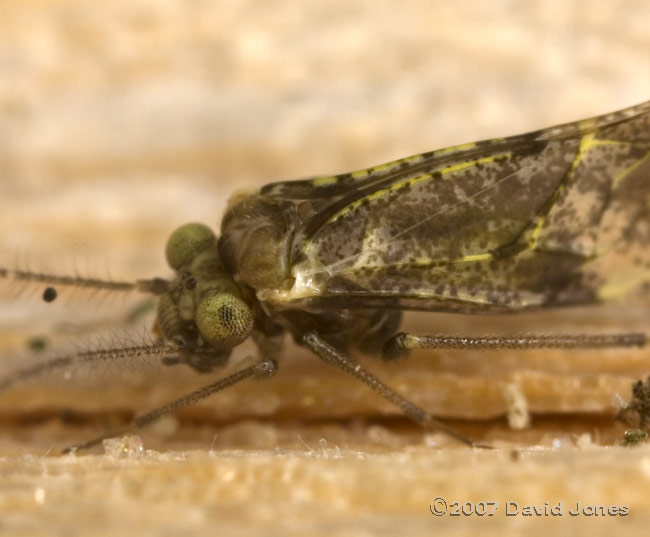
(555, 217)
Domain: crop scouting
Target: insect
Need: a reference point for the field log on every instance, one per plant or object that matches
(555, 217)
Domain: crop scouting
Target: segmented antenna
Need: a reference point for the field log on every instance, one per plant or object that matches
(155, 286)
(81, 357)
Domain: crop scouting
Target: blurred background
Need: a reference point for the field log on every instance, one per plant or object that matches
(121, 120)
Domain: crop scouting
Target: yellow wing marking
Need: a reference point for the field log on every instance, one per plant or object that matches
(324, 181)
(629, 170)
(389, 166)
(414, 180)
(424, 262)
(587, 143)
(622, 286)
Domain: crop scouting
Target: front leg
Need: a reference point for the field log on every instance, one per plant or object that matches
(261, 369)
(326, 352)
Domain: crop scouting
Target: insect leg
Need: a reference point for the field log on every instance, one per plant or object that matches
(261, 369)
(329, 354)
(401, 344)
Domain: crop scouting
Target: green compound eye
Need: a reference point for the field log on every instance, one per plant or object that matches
(223, 319)
(186, 242)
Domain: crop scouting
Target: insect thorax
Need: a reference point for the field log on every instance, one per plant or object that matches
(258, 246)
(255, 242)
(213, 303)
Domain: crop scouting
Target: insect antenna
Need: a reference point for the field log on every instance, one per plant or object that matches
(261, 369)
(82, 357)
(155, 286)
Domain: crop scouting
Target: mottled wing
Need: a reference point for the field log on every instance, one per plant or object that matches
(558, 216)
